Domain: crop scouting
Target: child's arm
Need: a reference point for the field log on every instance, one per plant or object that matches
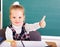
(9, 37)
(8, 34)
(35, 26)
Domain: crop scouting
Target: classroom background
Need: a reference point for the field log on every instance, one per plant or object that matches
(34, 11)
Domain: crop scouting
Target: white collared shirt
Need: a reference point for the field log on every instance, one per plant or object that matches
(17, 29)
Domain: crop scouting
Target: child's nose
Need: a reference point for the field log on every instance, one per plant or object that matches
(17, 19)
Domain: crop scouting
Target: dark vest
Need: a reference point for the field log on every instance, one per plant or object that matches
(22, 36)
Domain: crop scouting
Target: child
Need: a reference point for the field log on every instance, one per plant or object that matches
(19, 30)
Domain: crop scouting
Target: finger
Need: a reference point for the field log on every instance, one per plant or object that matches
(43, 18)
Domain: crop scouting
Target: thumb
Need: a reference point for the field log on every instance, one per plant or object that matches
(43, 19)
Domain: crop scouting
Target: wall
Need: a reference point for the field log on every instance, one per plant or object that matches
(0, 14)
(34, 11)
(0, 21)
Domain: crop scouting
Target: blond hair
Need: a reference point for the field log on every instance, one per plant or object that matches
(16, 7)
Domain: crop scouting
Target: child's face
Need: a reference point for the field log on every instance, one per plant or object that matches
(17, 17)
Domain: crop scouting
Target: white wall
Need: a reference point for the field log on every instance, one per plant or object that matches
(0, 21)
(52, 39)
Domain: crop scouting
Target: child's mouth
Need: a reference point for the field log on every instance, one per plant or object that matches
(17, 22)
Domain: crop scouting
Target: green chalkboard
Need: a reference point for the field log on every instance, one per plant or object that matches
(34, 11)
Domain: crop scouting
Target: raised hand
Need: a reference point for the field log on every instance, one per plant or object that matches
(42, 22)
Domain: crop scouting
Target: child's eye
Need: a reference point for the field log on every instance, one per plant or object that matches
(19, 17)
(14, 17)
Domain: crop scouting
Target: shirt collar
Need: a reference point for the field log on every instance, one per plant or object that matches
(17, 27)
